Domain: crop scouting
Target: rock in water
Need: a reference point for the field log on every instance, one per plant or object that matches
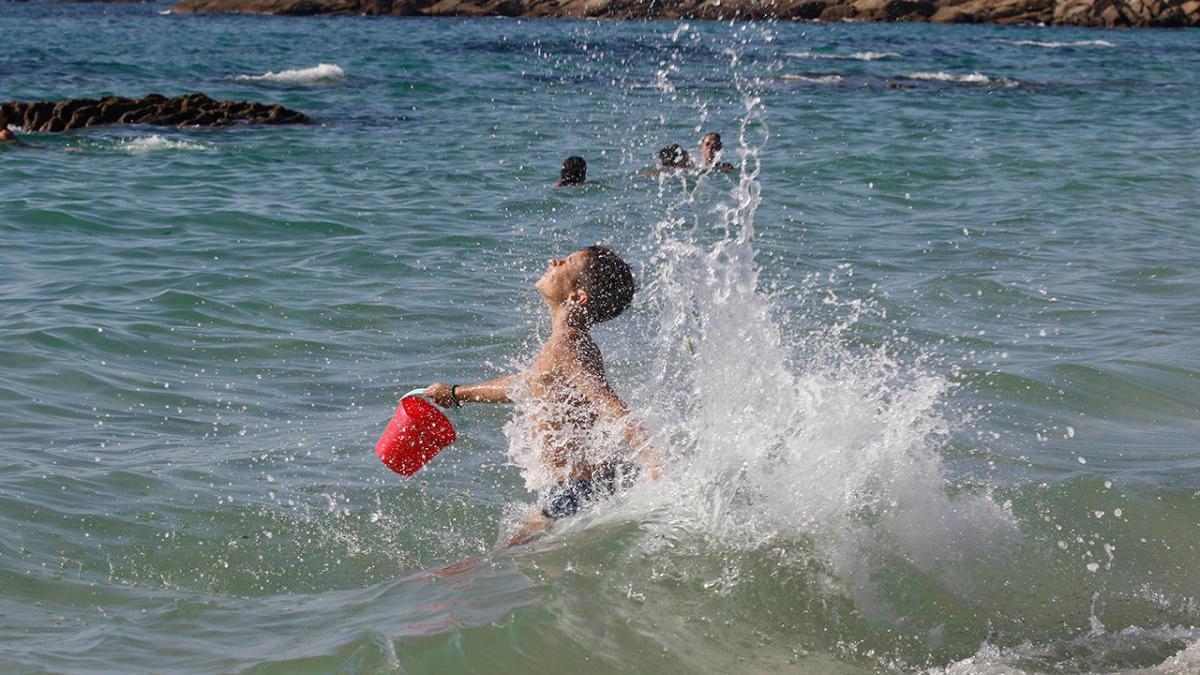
(195, 109)
(1108, 13)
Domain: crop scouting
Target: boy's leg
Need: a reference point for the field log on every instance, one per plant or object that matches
(535, 524)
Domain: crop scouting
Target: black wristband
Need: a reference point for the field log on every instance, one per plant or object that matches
(454, 395)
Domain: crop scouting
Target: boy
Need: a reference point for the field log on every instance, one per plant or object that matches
(574, 172)
(710, 148)
(568, 399)
(673, 158)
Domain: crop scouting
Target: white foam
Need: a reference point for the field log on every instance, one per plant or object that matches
(323, 73)
(817, 79)
(855, 56)
(1051, 44)
(964, 78)
(992, 660)
(939, 76)
(1184, 662)
(156, 143)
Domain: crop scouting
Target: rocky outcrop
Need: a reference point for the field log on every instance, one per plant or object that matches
(1099, 13)
(194, 109)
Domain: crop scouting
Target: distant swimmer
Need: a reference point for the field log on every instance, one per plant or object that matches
(671, 158)
(7, 136)
(574, 172)
(710, 151)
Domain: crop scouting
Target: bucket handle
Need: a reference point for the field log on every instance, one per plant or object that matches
(419, 391)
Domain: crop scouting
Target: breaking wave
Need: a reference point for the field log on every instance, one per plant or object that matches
(156, 143)
(855, 56)
(1053, 44)
(963, 78)
(323, 73)
(815, 79)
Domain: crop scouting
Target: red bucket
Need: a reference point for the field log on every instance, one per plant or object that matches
(416, 432)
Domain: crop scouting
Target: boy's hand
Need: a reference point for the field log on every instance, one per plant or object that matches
(650, 461)
(441, 394)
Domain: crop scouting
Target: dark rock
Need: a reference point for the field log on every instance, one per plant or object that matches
(205, 119)
(909, 9)
(809, 10)
(1063, 12)
(12, 112)
(195, 101)
(112, 107)
(53, 124)
(838, 12)
(85, 116)
(37, 114)
(194, 109)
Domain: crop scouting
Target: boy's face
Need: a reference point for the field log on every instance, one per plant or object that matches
(710, 145)
(561, 277)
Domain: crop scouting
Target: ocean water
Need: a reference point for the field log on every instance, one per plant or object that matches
(924, 366)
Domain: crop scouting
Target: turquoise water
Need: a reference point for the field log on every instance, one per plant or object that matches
(925, 364)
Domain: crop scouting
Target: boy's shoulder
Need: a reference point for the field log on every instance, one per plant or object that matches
(575, 354)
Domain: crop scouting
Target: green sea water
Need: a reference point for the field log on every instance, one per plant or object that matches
(924, 365)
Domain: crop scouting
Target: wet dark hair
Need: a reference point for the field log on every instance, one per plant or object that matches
(716, 140)
(673, 156)
(609, 283)
(574, 171)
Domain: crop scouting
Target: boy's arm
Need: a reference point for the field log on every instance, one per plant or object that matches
(490, 391)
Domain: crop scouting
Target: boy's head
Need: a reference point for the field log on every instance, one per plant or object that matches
(673, 157)
(593, 280)
(710, 145)
(574, 171)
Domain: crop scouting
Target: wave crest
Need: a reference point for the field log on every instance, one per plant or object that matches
(815, 79)
(854, 56)
(322, 73)
(155, 143)
(1053, 44)
(962, 78)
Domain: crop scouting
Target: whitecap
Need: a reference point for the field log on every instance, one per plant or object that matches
(874, 56)
(964, 78)
(815, 79)
(1051, 44)
(939, 76)
(855, 56)
(155, 143)
(322, 73)
(993, 660)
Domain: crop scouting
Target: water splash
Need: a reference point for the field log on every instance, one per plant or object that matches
(773, 442)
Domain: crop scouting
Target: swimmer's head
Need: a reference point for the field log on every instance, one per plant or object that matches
(593, 282)
(6, 134)
(710, 145)
(574, 171)
(673, 157)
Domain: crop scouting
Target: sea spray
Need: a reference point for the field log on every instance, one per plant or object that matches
(810, 444)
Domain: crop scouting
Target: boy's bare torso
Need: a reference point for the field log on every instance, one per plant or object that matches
(565, 381)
